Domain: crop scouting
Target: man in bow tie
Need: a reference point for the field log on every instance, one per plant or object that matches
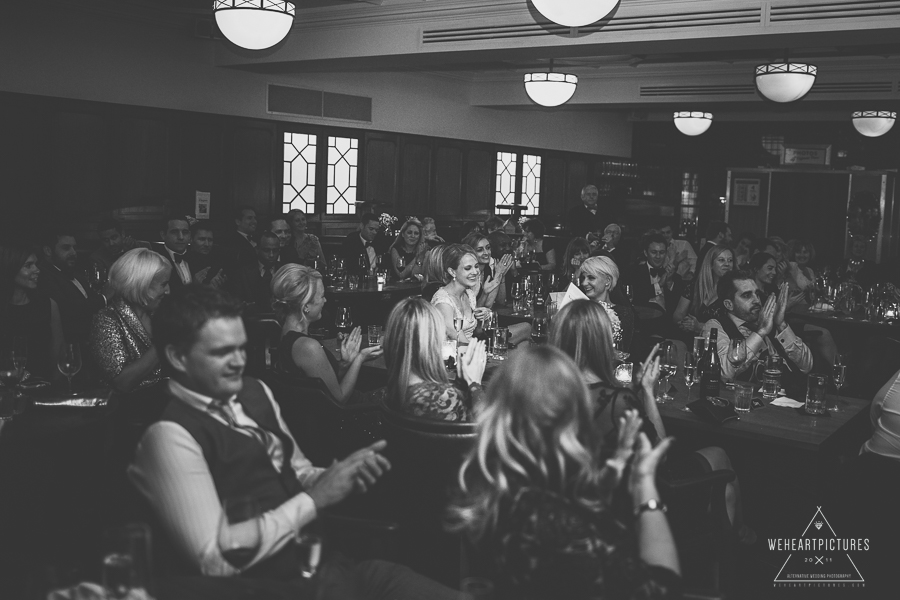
(65, 283)
(358, 250)
(176, 235)
(656, 286)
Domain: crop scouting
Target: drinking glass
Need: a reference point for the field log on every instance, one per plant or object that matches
(699, 346)
(380, 279)
(815, 394)
(625, 373)
(353, 282)
(375, 335)
(309, 549)
(488, 327)
(621, 350)
(737, 353)
(743, 395)
(240, 533)
(458, 323)
(627, 289)
(344, 323)
(20, 354)
(839, 372)
(552, 309)
(448, 354)
(401, 264)
(517, 292)
(69, 362)
(772, 378)
(501, 342)
(668, 366)
(691, 374)
(539, 330)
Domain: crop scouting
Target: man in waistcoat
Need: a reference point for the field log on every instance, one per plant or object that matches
(221, 437)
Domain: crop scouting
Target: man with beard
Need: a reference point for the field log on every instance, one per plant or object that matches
(62, 281)
(762, 327)
(176, 235)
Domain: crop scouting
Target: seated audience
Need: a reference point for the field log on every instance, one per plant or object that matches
(717, 233)
(537, 491)
(303, 248)
(206, 267)
(800, 277)
(222, 437)
(502, 245)
(176, 235)
(679, 253)
(64, 282)
(121, 334)
(857, 268)
(239, 245)
(408, 252)
(576, 253)
(699, 301)
(534, 245)
(762, 327)
(599, 276)
(764, 268)
(429, 233)
(493, 224)
(457, 301)
(113, 243)
(610, 245)
(743, 249)
(493, 272)
(357, 249)
(433, 271)
(471, 227)
(253, 283)
(26, 314)
(582, 330)
(417, 379)
(654, 281)
(279, 226)
(299, 299)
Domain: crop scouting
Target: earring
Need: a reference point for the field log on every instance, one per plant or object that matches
(305, 311)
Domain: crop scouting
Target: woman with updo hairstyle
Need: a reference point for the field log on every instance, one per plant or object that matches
(417, 380)
(458, 298)
(299, 298)
(26, 313)
(122, 333)
(598, 278)
(537, 489)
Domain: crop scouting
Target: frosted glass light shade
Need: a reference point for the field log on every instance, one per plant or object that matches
(550, 89)
(574, 13)
(874, 123)
(254, 24)
(693, 123)
(785, 82)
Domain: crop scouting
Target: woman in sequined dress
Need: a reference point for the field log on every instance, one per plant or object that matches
(121, 335)
(599, 276)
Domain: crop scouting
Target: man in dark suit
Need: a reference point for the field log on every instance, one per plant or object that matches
(62, 281)
(357, 249)
(655, 289)
(206, 264)
(611, 246)
(585, 217)
(240, 245)
(253, 284)
(176, 235)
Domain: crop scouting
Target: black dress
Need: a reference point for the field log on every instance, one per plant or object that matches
(286, 359)
(31, 322)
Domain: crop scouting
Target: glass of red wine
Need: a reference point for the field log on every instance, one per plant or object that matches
(240, 532)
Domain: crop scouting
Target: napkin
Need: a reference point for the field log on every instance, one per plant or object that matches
(787, 402)
(93, 591)
(572, 293)
(88, 399)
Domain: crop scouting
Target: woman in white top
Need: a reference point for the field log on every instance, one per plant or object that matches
(458, 298)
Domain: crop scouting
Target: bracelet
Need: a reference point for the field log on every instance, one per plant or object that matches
(649, 505)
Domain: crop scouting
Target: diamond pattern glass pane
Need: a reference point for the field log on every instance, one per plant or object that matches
(340, 194)
(531, 184)
(299, 172)
(506, 182)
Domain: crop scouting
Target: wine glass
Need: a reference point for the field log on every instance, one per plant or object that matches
(458, 323)
(668, 366)
(20, 354)
(839, 372)
(240, 534)
(344, 323)
(691, 374)
(517, 292)
(401, 264)
(539, 330)
(737, 353)
(69, 362)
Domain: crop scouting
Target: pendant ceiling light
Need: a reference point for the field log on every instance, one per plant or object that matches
(873, 123)
(254, 24)
(786, 81)
(693, 123)
(550, 89)
(574, 13)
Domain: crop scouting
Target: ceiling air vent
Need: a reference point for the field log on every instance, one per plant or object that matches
(661, 21)
(296, 101)
(853, 87)
(825, 11)
(656, 91)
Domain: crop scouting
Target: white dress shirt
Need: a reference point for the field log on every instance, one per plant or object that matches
(248, 238)
(184, 270)
(370, 252)
(793, 346)
(169, 469)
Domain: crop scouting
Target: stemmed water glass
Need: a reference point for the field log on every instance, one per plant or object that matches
(539, 330)
(344, 323)
(239, 536)
(839, 372)
(69, 362)
(691, 375)
(737, 353)
(517, 292)
(668, 366)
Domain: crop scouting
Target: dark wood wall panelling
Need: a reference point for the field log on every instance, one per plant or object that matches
(74, 161)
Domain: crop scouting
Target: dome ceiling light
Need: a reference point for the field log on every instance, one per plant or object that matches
(874, 123)
(785, 81)
(574, 13)
(254, 24)
(693, 123)
(549, 88)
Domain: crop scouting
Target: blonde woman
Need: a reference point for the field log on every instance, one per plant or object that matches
(536, 491)
(598, 277)
(299, 298)
(458, 298)
(408, 251)
(121, 334)
(417, 379)
(699, 303)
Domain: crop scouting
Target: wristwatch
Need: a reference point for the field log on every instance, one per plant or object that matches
(651, 504)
